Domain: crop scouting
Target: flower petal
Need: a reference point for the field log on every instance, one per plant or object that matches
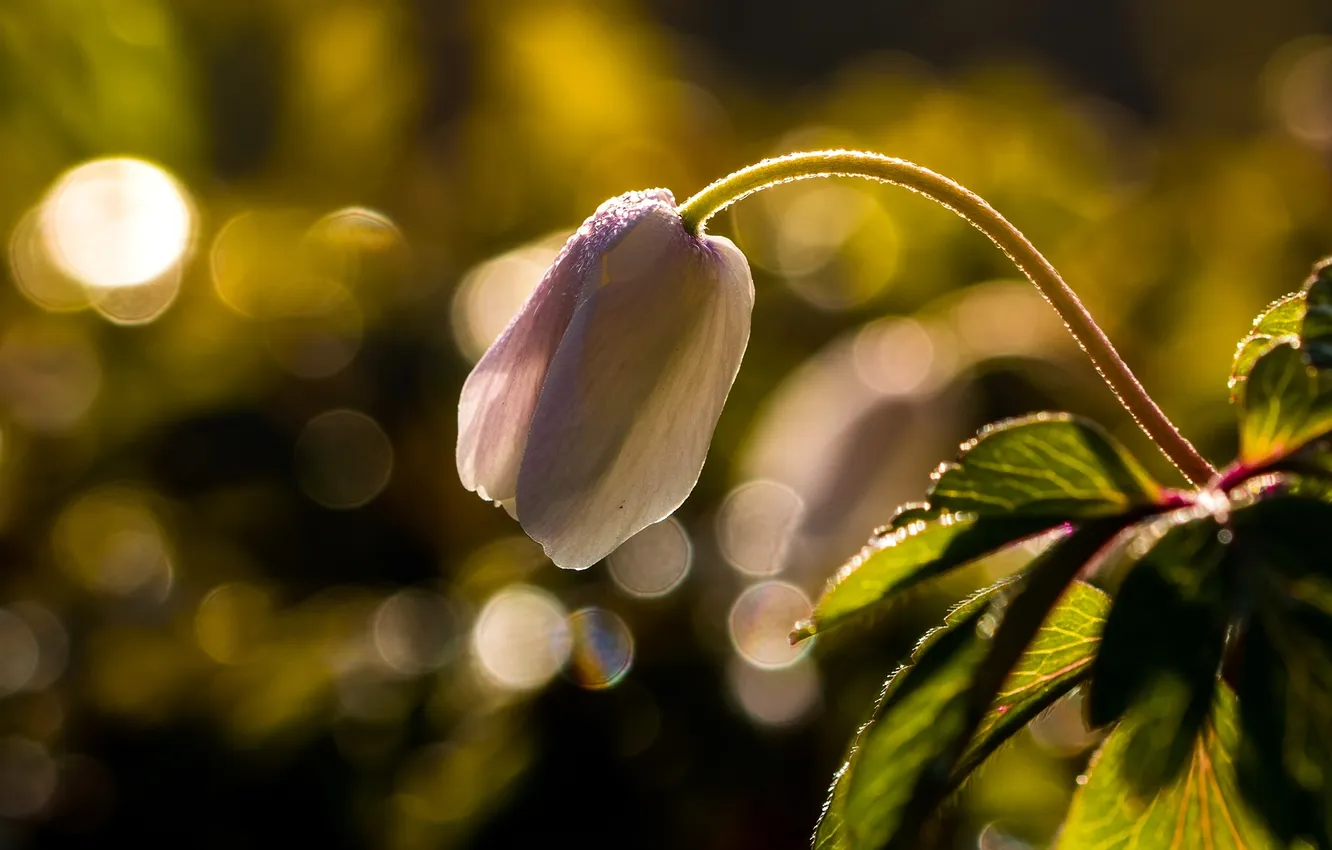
(634, 392)
(500, 395)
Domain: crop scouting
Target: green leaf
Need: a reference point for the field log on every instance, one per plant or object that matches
(1049, 464)
(1316, 327)
(1041, 586)
(1163, 641)
(899, 559)
(1059, 656)
(1285, 691)
(1200, 809)
(902, 763)
(1282, 318)
(1287, 403)
(909, 513)
(917, 715)
(1285, 675)
(831, 832)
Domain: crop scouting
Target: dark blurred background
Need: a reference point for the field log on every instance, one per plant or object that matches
(252, 248)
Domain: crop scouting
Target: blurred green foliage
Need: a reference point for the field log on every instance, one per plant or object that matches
(245, 602)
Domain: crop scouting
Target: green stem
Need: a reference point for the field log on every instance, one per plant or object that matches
(801, 166)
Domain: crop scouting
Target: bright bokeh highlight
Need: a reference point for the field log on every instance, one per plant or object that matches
(521, 638)
(117, 222)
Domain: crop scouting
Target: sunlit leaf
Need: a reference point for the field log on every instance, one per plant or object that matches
(1201, 808)
(1050, 464)
(952, 648)
(911, 512)
(901, 765)
(1316, 328)
(831, 832)
(1059, 656)
(1306, 314)
(899, 559)
(1162, 643)
(1283, 317)
(1287, 403)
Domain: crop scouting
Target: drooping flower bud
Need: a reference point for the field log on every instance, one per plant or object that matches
(590, 416)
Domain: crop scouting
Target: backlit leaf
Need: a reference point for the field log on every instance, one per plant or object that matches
(1201, 808)
(1287, 403)
(1163, 641)
(1285, 676)
(899, 559)
(901, 765)
(1282, 318)
(1050, 464)
(1059, 656)
(831, 832)
(1316, 327)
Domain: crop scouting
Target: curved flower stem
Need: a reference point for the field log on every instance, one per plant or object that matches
(801, 166)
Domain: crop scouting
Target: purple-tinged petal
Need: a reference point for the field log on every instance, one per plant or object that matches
(633, 394)
(500, 395)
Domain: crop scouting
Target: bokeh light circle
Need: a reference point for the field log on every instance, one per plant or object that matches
(35, 273)
(50, 375)
(231, 620)
(775, 697)
(343, 459)
(267, 264)
(27, 777)
(110, 540)
(359, 229)
(52, 643)
(316, 346)
(414, 631)
(19, 653)
(761, 622)
(118, 222)
(521, 638)
(755, 525)
(603, 648)
(654, 561)
(490, 294)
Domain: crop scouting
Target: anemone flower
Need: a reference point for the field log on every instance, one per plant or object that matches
(589, 418)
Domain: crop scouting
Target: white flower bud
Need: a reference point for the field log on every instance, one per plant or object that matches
(594, 409)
